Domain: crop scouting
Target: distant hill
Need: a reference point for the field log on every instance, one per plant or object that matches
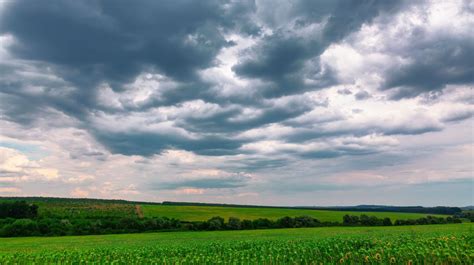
(358, 208)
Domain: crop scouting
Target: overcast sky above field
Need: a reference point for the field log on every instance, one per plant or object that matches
(253, 102)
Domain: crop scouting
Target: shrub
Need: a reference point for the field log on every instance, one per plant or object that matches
(21, 227)
(216, 223)
(234, 223)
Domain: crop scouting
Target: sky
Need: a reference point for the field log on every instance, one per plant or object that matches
(266, 102)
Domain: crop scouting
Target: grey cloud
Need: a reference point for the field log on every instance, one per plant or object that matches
(344, 91)
(341, 151)
(80, 154)
(458, 116)
(301, 135)
(205, 183)
(147, 144)
(114, 40)
(361, 95)
(278, 59)
(89, 43)
(435, 66)
(433, 59)
(281, 57)
(270, 112)
(84, 44)
(253, 164)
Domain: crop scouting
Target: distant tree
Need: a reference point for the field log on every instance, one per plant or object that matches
(350, 220)
(234, 223)
(216, 223)
(364, 220)
(246, 224)
(262, 223)
(306, 221)
(128, 223)
(285, 222)
(18, 209)
(387, 221)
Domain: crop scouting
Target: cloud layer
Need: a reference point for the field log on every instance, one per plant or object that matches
(248, 101)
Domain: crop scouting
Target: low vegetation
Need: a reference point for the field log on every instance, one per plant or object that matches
(15, 223)
(446, 244)
(317, 241)
(18, 209)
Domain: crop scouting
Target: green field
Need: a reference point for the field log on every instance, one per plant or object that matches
(84, 210)
(90, 208)
(80, 208)
(431, 244)
(202, 213)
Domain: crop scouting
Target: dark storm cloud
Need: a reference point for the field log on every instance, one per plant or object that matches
(85, 44)
(89, 43)
(27, 96)
(114, 40)
(280, 58)
(434, 65)
(269, 112)
(146, 144)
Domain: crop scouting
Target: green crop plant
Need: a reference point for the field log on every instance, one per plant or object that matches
(442, 244)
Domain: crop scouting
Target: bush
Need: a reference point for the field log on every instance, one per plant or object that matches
(306, 221)
(21, 227)
(216, 223)
(285, 222)
(262, 223)
(246, 224)
(387, 221)
(234, 223)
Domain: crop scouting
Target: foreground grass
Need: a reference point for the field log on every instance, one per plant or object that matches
(441, 244)
(203, 213)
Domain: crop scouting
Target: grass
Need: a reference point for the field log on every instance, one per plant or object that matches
(421, 244)
(202, 213)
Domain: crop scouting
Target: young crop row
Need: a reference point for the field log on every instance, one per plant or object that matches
(400, 249)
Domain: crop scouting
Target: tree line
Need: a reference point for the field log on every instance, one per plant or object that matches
(18, 209)
(24, 221)
(365, 220)
(466, 215)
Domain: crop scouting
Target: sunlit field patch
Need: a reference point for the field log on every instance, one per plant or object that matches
(203, 213)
